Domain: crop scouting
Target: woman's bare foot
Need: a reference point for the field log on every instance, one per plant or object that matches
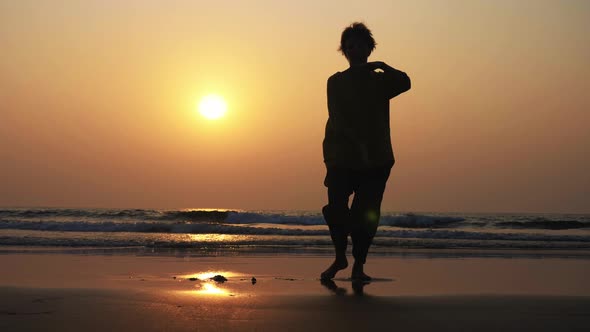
(331, 285)
(340, 263)
(358, 274)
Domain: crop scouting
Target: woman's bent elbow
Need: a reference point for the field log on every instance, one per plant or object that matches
(407, 83)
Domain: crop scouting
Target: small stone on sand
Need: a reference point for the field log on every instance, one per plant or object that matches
(219, 278)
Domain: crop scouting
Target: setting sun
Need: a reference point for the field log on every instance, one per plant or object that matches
(212, 107)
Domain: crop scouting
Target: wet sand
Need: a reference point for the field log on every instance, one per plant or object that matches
(66, 292)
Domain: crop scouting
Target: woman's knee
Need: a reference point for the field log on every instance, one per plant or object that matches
(336, 213)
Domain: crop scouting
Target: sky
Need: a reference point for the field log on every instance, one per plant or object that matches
(98, 103)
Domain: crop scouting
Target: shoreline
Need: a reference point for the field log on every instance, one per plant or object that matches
(262, 251)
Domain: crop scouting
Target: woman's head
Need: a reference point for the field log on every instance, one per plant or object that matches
(357, 43)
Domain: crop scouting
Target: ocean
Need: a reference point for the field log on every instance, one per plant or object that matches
(234, 232)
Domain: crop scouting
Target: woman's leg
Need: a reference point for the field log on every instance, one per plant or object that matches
(337, 216)
(365, 213)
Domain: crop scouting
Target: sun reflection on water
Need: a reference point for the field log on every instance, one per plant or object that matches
(220, 238)
(206, 286)
(205, 276)
(211, 289)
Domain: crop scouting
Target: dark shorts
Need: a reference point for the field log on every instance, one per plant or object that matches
(367, 185)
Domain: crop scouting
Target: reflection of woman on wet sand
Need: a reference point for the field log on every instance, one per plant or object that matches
(357, 147)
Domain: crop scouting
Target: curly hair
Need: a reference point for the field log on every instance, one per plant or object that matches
(357, 29)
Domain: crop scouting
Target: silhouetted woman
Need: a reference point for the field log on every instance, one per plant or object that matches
(357, 147)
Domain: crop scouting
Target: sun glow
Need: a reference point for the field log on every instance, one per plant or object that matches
(212, 107)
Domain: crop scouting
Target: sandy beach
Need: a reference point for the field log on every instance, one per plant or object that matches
(173, 292)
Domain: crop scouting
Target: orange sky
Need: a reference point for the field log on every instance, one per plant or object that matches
(98, 103)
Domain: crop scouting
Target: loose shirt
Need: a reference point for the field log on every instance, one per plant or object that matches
(357, 132)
